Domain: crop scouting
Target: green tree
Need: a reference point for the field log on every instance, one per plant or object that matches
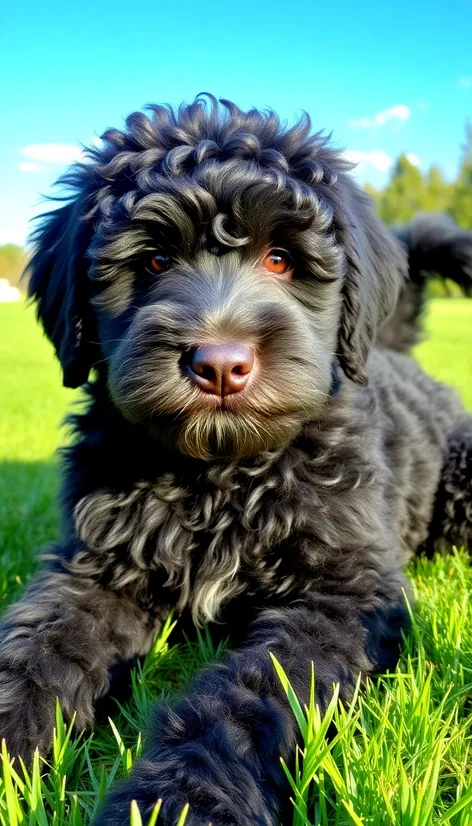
(461, 200)
(438, 191)
(404, 195)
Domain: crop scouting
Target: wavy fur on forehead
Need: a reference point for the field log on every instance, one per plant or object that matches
(213, 168)
(203, 155)
(176, 141)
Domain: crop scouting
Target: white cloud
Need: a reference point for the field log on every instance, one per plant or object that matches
(59, 153)
(29, 166)
(375, 159)
(396, 114)
(464, 82)
(413, 159)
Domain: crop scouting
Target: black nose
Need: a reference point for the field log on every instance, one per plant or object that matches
(221, 369)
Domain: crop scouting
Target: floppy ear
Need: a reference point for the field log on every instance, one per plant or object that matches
(376, 268)
(58, 284)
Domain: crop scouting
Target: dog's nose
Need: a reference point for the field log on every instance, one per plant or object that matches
(221, 369)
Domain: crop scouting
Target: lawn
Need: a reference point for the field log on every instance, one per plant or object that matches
(402, 753)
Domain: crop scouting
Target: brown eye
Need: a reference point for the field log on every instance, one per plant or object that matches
(159, 263)
(277, 261)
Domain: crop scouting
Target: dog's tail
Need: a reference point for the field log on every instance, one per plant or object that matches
(435, 246)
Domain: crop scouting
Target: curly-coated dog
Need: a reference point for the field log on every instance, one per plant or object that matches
(244, 456)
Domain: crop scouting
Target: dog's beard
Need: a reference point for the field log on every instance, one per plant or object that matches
(185, 419)
(181, 417)
(218, 434)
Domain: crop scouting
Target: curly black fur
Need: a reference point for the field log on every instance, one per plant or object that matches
(452, 514)
(286, 512)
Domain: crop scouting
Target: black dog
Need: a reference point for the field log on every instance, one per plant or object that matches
(226, 279)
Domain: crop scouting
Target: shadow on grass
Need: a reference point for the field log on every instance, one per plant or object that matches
(28, 520)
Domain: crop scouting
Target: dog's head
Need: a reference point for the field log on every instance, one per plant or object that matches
(212, 266)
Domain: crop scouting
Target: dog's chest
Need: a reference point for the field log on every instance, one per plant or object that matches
(203, 546)
(265, 530)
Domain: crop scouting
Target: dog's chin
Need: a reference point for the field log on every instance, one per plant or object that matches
(234, 436)
(219, 435)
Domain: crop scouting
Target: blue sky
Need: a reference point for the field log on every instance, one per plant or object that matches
(383, 77)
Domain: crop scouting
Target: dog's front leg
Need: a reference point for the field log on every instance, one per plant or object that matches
(61, 640)
(219, 747)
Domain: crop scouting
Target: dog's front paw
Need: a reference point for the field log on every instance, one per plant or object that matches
(213, 791)
(26, 714)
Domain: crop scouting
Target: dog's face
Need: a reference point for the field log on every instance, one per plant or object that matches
(213, 267)
(217, 307)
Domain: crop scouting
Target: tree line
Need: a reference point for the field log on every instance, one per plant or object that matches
(408, 190)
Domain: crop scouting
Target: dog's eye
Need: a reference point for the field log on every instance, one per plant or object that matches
(159, 263)
(278, 262)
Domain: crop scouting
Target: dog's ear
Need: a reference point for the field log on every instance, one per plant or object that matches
(58, 284)
(375, 269)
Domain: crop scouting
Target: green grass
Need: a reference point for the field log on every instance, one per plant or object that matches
(447, 351)
(402, 753)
